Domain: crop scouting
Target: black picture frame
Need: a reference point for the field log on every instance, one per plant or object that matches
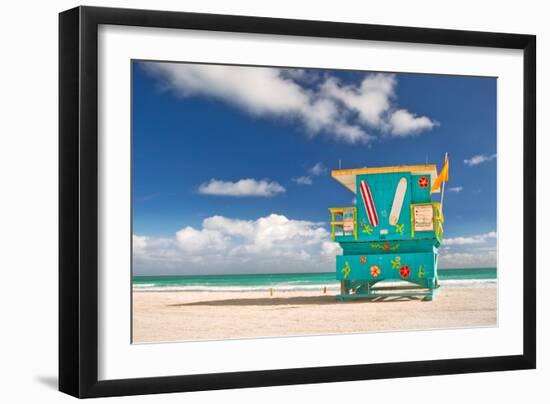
(78, 201)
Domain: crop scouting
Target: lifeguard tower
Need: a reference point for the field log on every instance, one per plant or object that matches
(391, 234)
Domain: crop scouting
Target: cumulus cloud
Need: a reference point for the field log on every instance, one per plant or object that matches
(330, 249)
(471, 259)
(405, 123)
(456, 189)
(370, 100)
(323, 105)
(244, 187)
(475, 239)
(271, 243)
(318, 169)
(474, 251)
(479, 159)
(191, 240)
(139, 244)
(303, 180)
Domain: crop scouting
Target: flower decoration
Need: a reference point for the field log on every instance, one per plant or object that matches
(363, 259)
(404, 271)
(385, 246)
(423, 182)
(375, 271)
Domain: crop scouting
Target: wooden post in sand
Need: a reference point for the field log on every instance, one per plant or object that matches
(343, 290)
(270, 291)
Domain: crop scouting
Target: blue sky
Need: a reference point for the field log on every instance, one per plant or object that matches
(225, 157)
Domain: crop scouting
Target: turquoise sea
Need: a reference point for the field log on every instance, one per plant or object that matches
(459, 277)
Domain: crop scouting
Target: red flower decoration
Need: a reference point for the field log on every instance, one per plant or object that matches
(375, 271)
(363, 260)
(404, 271)
(423, 182)
(386, 246)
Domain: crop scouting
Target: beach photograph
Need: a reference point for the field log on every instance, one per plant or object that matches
(279, 202)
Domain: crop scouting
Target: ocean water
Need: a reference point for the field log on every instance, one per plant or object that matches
(458, 277)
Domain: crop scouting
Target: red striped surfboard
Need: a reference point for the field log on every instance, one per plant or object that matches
(366, 195)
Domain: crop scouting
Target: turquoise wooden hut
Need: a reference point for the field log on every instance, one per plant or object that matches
(391, 234)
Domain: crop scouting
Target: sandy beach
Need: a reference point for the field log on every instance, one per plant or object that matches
(183, 315)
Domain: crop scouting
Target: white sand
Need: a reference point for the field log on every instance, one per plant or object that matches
(180, 316)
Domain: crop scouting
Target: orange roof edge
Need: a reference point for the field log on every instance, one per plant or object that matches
(347, 176)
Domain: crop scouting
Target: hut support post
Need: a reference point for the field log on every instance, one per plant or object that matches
(343, 289)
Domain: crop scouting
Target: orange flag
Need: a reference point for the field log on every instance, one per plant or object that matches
(442, 177)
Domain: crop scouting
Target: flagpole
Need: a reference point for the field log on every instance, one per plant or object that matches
(443, 186)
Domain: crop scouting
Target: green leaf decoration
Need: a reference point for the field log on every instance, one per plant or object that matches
(399, 227)
(346, 270)
(366, 228)
(396, 263)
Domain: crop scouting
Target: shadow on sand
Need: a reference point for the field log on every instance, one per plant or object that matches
(295, 300)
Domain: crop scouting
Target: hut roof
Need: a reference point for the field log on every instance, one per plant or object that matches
(347, 177)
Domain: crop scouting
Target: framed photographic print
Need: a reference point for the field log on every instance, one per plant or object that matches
(251, 201)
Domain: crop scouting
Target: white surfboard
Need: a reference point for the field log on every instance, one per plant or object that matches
(398, 199)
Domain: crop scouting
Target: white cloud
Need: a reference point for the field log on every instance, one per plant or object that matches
(456, 189)
(371, 99)
(139, 244)
(272, 243)
(154, 249)
(479, 159)
(475, 239)
(315, 171)
(483, 259)
(405, 123)
(350, 133)
(244, 187)
(191, 240)
(330, 249)
(231, 227)
(304, 180)
(476, 251)
(344, 112)
(318, 169)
